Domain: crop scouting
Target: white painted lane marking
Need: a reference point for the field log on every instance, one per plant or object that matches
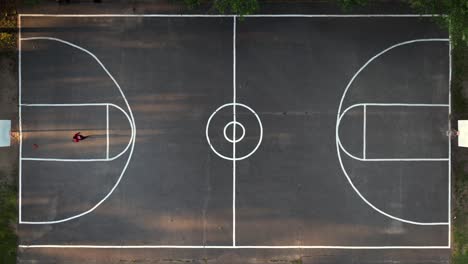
(450, 150)
(391, 104)
(229, 247)
(219, 15)
(364, 130)
(347, 15)
(364, 143)
(338, 116)
(85, 160)
(107, 131)
(234, 89)
(133, 136)
(20, 167)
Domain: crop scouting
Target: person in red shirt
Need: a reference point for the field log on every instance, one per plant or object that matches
(77, 137)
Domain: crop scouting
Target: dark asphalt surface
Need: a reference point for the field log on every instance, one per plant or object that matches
(292, 191)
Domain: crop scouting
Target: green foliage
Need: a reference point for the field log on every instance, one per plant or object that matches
(240, 7)
(8, 33)
(459, 56)
(455, 16)
(460, 181)
(7, 41)
(31, 2)
(461, 237)
(350, 4)
(460, 259)
(8, 218)
(430, 6)
(191, 4)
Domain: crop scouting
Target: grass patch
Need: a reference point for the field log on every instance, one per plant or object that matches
(8, 220)
(460, 213)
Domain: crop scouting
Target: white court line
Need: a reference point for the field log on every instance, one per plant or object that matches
(107, 132)
(391, 104)
(20, 167)
(364, 130)
(338, 117)
(345, 15)
(234, 132)
(86, 160)
(450, 150)
(364, 141)
(223, 15)
(228, 247)
(133, 136)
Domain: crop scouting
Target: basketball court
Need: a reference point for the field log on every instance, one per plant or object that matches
(218, 131)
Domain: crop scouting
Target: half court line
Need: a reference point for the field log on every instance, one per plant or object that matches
(234, 132)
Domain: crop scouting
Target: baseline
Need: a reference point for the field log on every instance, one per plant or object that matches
(227, 15)
(228, 247)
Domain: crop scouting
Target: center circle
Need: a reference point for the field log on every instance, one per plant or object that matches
(234, 124)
